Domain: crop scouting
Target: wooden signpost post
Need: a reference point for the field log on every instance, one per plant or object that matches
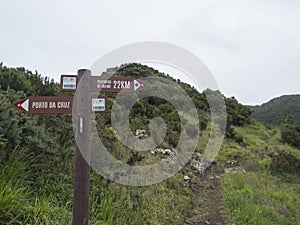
(84, 106)
(82, 158)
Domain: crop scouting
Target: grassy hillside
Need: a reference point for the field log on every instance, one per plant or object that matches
(262, 185)
(282, 110)
(255, 178)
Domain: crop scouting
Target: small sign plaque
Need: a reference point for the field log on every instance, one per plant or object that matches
(68, 82)
(99, 104)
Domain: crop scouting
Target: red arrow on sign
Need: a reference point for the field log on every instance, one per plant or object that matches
(23, 105)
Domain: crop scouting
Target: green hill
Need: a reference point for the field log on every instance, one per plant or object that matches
(281, 110)
(255, 178)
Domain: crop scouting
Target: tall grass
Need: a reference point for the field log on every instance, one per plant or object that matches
(157, 204)
(261, 199)
(13, 192)
(19, 204)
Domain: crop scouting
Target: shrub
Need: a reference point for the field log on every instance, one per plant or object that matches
(290, 134)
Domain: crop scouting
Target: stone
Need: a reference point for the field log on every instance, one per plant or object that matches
(227, 170)
(186, 178)
(168, 152)
(283, 210)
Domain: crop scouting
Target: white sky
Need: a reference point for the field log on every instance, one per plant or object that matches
(250, 46)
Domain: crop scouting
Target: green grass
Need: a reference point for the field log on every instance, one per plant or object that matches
(269, 193)
(164, 203)
(13, 192)
(19, 203)
(256, 198)
(45, 211)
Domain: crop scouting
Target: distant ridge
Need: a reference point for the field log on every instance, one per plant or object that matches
(281, 110)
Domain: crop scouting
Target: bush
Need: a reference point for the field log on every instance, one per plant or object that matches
(286, 160)
(231, 133)
(290, 134)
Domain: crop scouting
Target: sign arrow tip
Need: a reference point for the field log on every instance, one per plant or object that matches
(138, 85)
(23, 105)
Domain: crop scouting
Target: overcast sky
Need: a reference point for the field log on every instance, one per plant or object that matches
(250, 46)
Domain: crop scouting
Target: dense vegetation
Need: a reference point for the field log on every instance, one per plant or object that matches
(37, 151)
(282, 110)
(291, 135)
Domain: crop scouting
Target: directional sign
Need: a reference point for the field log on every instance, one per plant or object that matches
(115, 84)
(46, 105)
(102, 84)
(56, 104)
